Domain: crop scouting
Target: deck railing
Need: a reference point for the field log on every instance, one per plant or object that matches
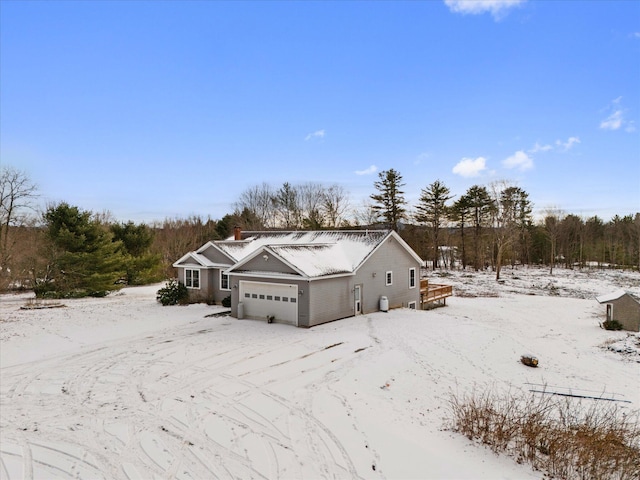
(434, 292)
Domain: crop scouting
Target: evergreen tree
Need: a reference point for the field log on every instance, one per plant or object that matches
(246, 220)
(83, 259)
(432, 211)
(390, 202)
(142, 266)
(480, 206)
(459, 213)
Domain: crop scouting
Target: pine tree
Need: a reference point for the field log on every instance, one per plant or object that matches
(480, 206)
(390, 202)
(83, 259)
(432, 210)
(459, 213)
(142, 266)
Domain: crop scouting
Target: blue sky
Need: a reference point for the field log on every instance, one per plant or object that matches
(162, 109)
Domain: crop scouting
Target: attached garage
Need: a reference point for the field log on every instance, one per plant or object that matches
(306, 278)
(261, 300)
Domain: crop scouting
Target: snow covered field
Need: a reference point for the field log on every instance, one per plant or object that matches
(123, 388)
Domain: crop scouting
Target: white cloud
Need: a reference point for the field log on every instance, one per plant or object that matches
(613, 121)
(497, 8)
(519, 160)
(470, 167)
(367, 171)
(316, 134)
(616, 119)
(571, 141)
(540, 148)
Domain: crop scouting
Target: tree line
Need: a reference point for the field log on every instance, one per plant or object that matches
(66, 250)
(492, 225)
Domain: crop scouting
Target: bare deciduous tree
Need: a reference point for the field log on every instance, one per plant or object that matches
(511, 212)
(17, 193)
(552, 224)
(287, 205)
(365, 214)
(306, 205)
(310, 200)
(335, 205)
(259, 201)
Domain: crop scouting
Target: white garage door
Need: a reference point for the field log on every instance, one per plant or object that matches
(262, 299)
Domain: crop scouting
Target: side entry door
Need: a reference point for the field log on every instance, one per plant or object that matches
(357, 299)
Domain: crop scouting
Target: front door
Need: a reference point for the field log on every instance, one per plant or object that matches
(357, 299)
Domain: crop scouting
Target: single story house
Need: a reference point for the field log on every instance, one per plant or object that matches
(304, 278)
(622, 307)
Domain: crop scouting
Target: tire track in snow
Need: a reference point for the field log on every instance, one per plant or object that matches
(125, 405)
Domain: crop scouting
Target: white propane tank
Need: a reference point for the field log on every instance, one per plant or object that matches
(384, 304)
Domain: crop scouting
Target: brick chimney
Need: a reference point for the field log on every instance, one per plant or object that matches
(237, 233)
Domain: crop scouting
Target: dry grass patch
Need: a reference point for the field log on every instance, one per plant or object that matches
(564, 437)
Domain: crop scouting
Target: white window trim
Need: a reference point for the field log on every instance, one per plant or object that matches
(388, 278)
(199, 278)
(412, 271)
(228, 281)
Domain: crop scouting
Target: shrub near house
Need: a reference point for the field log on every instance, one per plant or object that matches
(173, 293)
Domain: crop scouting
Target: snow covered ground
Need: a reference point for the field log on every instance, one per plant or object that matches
(123, 388)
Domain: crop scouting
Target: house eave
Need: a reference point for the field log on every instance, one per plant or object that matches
(271, 275)
(610, 297)
(274, 275)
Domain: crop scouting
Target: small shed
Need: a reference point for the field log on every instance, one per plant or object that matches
(622, 307)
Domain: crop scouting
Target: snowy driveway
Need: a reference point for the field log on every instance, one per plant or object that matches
(121, 388)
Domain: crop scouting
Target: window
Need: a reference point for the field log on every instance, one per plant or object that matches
(224, 281)
(192, 278)
(412, 278)
(412, 305)
(389, 278)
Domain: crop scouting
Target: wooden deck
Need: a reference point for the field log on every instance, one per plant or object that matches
(431, 293)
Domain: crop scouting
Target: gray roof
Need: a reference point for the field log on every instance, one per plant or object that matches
(311, 253)
(610, 296)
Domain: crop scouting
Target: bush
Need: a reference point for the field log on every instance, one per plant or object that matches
(49, 290)
(565, 438)
(226, 301)
(612, 325)
(173, 293)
